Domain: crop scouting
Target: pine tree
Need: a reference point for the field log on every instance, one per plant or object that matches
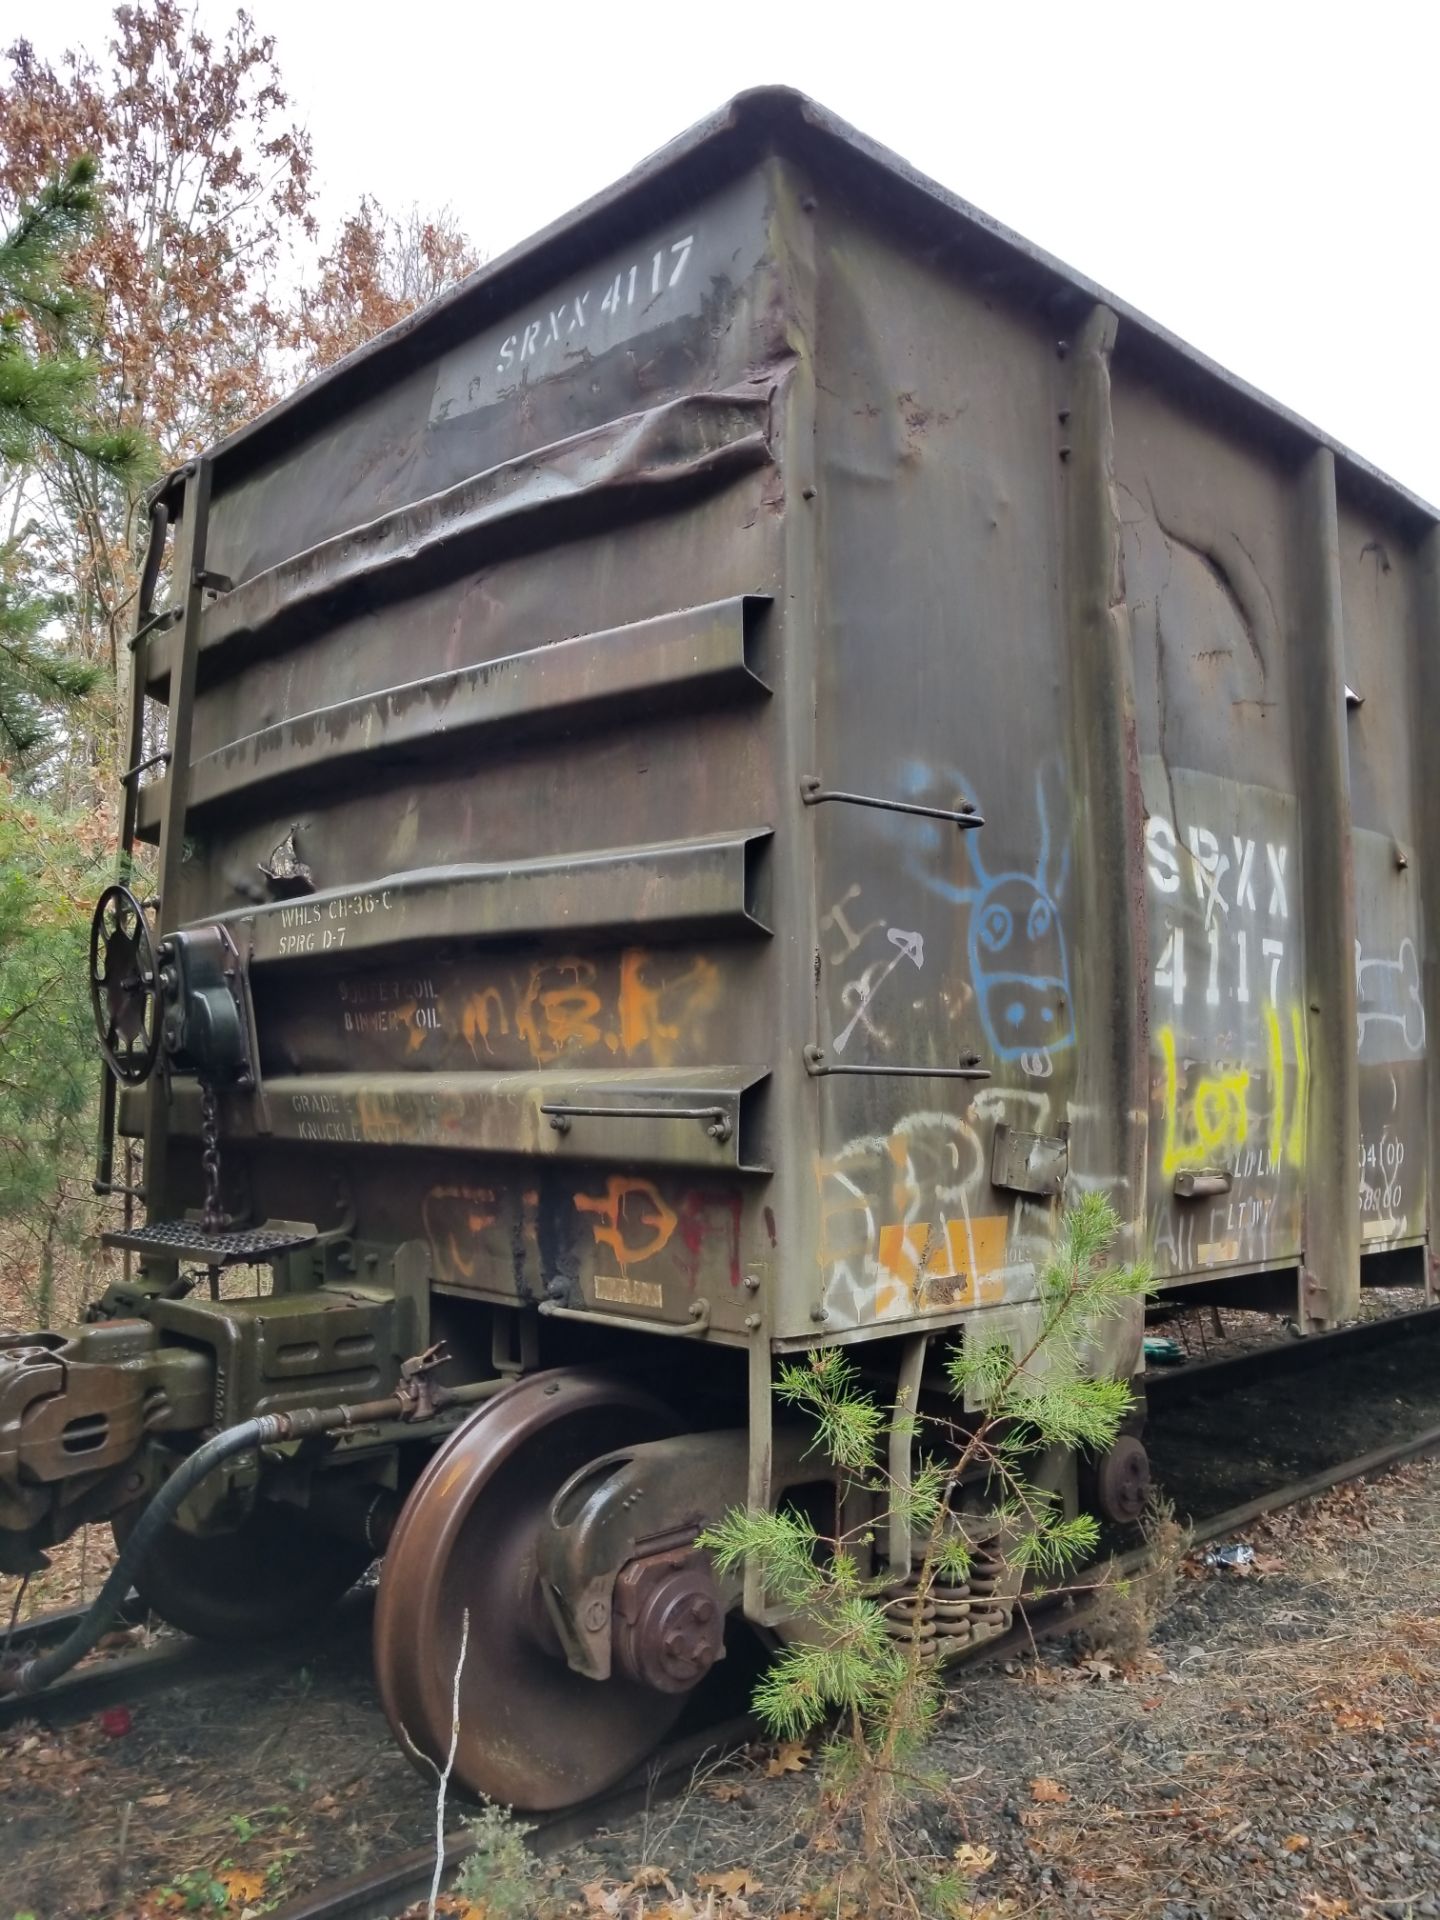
(1031, 1398)
(47, 392)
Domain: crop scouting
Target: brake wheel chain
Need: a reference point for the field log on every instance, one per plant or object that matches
(213, 1218)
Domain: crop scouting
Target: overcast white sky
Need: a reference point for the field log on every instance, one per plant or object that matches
(1261, 178)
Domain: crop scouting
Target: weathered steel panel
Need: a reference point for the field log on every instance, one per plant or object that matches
(1208, 579)
(936, 522)
(784, 622)
(1382, 651)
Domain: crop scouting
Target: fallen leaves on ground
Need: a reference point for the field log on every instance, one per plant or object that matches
(789, 1757)
(970, 1859)
(1097, 1668)
(629, 1900)
(737, 1880)
(451, 1905)
(241, 1887)
(1048, 1792)
(648, 1877)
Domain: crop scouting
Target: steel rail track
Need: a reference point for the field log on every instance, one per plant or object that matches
(48, 1629)
(177, 1658)
(174, 1660)
(395, 1884)
(1214, 1526)
(1201, 1378)
(383, 1891)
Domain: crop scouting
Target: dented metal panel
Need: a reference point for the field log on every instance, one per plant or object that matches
(778, 733)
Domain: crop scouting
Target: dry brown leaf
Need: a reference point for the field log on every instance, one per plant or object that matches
(1049, 1793)
(241, 1887)
(725, 1790)
(1098, 1669)
(1295, 1842)
(737, 1880)
(645, 1877)
(153, 1800)
(789, 1757)
(973, 1859)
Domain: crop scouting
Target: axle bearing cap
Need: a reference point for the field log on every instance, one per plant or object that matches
(1123, 1480)
(668, 1622)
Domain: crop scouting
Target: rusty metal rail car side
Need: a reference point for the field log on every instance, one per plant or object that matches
(711, 777)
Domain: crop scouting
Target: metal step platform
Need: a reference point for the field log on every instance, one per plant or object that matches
(188, 1240)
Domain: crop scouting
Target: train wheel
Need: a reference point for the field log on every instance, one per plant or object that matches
(530, 1732)
(276, 1571)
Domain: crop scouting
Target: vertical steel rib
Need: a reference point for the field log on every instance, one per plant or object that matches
(189, 562)
(1330, 1272)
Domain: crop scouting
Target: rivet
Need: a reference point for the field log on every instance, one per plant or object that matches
(819, 1313)
(752, 1321)
(752, 1282)
(807, 493)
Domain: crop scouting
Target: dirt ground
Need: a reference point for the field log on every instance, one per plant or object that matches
(1275, 1751)
(217, 1798)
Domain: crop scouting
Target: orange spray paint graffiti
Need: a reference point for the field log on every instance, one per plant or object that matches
(631, 1219)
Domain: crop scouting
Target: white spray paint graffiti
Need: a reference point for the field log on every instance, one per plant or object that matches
(909, 1222)
(1388, 998)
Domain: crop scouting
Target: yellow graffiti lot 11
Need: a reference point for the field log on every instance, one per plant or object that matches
(1209, 1121)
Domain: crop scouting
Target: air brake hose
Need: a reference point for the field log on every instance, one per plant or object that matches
(38, 1673)
(415, 1398)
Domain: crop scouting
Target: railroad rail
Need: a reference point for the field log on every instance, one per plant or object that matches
(1197, 1379)
(174, 1659)
(389, 1888)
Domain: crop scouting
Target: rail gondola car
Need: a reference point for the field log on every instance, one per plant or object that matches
(699, 786)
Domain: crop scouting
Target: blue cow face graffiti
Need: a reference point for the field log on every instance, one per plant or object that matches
(1018, 967)
(1015, 943)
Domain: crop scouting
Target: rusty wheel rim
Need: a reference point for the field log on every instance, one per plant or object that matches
(531, 1733)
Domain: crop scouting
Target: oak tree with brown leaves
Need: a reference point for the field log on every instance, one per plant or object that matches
(203, 290)
(209, 292)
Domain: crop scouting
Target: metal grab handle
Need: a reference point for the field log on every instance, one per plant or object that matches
(699, 1321)
(719, 1124)
(964, 815)
(154, 554)
(816, 1065)
(160, 622)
